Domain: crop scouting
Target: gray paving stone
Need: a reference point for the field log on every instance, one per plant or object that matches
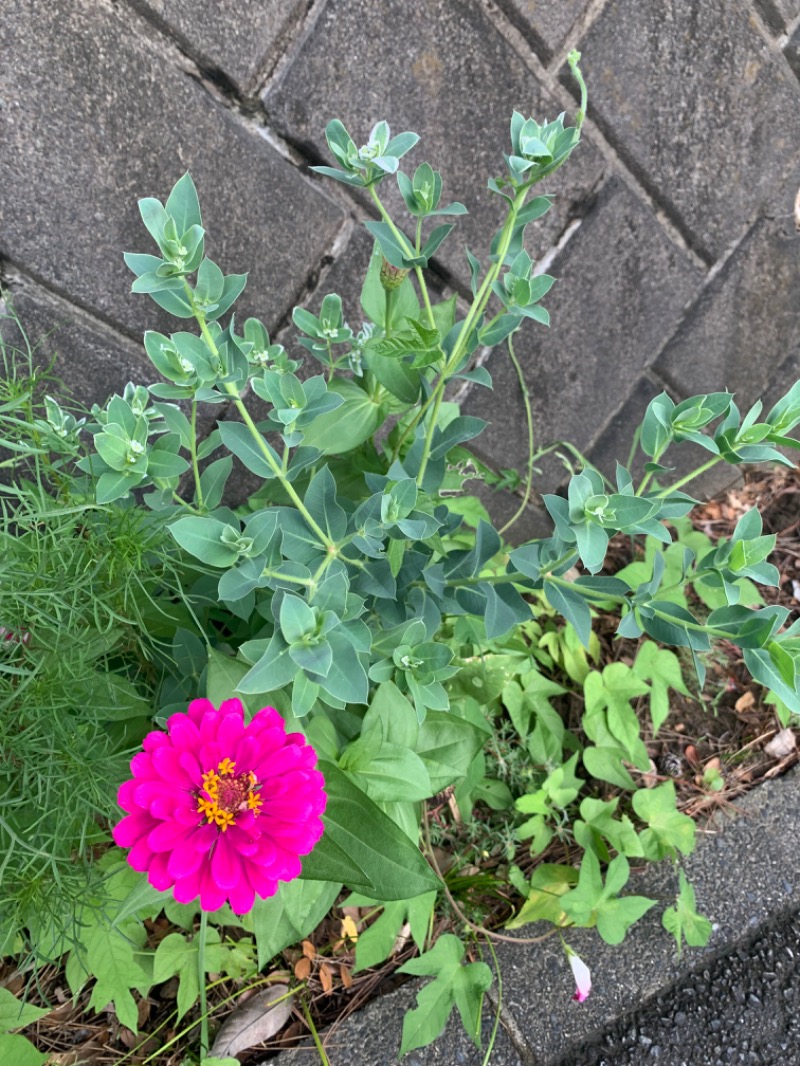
(372, 1038)
(745, 323)
(456, 85)
(666, 100)
(235, 36)
(792, 51)
(622, 287)
(777, 14)
(92, 359)
(80, 146)
(548, 26)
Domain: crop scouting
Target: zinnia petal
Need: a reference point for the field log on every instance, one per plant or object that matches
(221, 810)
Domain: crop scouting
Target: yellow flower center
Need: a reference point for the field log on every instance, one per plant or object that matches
(225, 793)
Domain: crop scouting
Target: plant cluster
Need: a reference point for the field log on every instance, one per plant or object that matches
(352, 593)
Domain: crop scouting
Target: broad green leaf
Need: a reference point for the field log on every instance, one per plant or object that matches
(662, 669)
(377, 941)
(340, 431)
(668, 829)
(393, 867)
(392, 774)
(593, 903)
(14, 1014)
(548, 884)
(256, 453)
(183, 204)
(447, 745)
(455, 984)
(291, 914)
(573, 607)
(202, 538)
(19, 1051)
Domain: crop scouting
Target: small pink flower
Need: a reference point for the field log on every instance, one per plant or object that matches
(219, 809)
(582, 975)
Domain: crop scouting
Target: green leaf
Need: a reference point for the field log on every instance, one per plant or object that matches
(112, 959)
(20, 1051)
(447, 745)
(290, 915)
(455, 985)
(683, 921)
(548, 884)
(238, 439)
(612, 692)
(183, 204)
(393, 866)
(662, 669)
(378, 940)
(338, 432)
(393, 773)
(14, 1014)
(668, 829)
(593, 903)
(320, 499)
(573, 607)
(202, 538)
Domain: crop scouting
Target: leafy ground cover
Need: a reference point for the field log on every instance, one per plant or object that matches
(714, 749)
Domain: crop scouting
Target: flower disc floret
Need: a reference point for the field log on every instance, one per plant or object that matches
(221, 810)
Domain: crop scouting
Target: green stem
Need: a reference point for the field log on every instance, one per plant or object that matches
(473, 315)
(233, 392)
(401, 237)
(201, 974)
(323, 1058)
(606, 597)
(526, 399)
(689, 477)
(195, 466)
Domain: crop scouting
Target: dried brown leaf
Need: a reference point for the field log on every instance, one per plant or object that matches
(302, 968)
(781, 745)
(256, 1021)
(346, 976)
(326, 978)
(309, 950)
(745, 702)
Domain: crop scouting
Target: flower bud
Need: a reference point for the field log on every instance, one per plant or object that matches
(392, 277)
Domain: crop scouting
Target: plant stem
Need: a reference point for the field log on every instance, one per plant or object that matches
(473, 315)
(315, 1035)
(233, 392)
(423, 288)
(689, 477)
(201, 974)
(193, 450)
(526, 399)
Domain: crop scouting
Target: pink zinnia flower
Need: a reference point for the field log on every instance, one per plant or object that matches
(582, 975)
(220, 809)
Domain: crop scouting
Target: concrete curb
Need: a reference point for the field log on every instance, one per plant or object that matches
(746, 873)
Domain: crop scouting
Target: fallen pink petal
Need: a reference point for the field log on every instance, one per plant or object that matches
(582, 975)
(221, 810)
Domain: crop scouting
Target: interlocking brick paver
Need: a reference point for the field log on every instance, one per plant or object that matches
(237, 36)
(745, 322)
(547, 24)
(581, 369)
(698, 105)
(96, 117)
(455, 82)
(93, 360)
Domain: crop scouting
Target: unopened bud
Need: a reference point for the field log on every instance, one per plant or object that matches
(392, 277)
